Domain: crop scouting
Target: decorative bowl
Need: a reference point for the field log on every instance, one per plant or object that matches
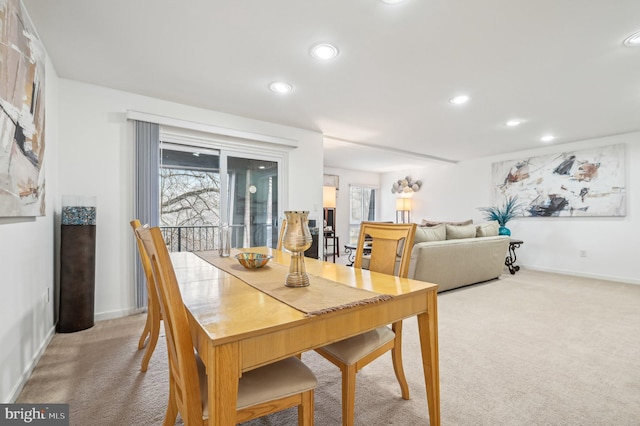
(253, 260)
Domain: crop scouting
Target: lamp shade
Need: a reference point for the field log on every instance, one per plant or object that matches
(403, 204)
(329, 197)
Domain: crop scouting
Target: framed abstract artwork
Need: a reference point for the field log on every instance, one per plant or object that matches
(589, 182)
(22, 113)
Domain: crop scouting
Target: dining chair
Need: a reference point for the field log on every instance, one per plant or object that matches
(390, 246)
(152, 326)
(283, 227)
(264, 390)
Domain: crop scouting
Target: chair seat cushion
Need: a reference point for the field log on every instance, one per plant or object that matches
(274, 381)
(350, 350)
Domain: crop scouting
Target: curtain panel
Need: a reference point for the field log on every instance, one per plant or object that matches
(146, 191)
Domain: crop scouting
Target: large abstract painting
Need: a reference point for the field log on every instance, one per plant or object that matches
(21, 114)
(588, 182)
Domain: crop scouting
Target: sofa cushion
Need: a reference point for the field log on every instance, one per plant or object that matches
(455, 232)
(425, 234)
(488, 229)
(426, 222)
(430, 233)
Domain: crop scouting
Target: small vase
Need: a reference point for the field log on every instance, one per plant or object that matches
(297, 238)
(503, 230)
(225, 241)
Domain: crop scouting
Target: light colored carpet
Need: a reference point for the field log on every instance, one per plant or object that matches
(530, 349)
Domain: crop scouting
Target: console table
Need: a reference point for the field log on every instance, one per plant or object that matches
(313, 250)
(510, 261)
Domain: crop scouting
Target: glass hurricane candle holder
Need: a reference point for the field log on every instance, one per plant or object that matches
(297, 239)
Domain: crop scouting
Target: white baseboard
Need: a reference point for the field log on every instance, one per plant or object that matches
(27, 372)
(584, 275)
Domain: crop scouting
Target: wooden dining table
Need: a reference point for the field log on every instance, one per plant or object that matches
(236, 327)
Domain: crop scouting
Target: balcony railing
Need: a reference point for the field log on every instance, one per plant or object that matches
(197, 238)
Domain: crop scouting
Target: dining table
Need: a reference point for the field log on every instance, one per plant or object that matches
(241, 319)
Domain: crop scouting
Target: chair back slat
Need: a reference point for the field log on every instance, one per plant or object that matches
(182, 362)
(390, 242)
(152, 293)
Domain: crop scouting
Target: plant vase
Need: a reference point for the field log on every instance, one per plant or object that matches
(503, 214)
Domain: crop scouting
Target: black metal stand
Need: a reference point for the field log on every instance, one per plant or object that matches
(510, 261)
(77, 277)
(350, 251)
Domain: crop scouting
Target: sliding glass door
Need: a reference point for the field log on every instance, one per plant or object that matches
(252, 199)
(203, 188)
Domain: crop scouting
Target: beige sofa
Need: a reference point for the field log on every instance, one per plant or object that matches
(456, 255)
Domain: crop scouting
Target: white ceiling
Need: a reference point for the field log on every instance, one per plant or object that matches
(559, 65)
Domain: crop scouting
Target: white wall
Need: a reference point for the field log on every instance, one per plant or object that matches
(96, 158)
(454, 192)
(347, 178)
(27, 269)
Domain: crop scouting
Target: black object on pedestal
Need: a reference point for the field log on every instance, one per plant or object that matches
(77, 270)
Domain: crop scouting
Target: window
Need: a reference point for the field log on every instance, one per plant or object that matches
(362, 207)
(189, 196)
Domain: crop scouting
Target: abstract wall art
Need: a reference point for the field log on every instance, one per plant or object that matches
(589, 182)
(21, 114)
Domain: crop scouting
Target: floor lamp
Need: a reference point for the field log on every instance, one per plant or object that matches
(329, 203)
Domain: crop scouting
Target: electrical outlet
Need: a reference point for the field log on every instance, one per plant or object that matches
(583, 253)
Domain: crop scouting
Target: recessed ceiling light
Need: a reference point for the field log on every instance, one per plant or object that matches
(280, 87)
(633, 40)
(547, 138)
(459, 100)
(324, 51)
(392, 1)
(513, 123)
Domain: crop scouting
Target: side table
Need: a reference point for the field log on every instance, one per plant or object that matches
(350, 251)
(335, 245)
(510, 261)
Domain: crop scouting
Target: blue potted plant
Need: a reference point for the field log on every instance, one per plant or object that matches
(510, 209)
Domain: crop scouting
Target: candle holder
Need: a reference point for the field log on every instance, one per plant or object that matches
(297, 239)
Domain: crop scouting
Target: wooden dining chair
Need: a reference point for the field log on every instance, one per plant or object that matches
(391, 246)
(264, 390)
(283, 227)
(152, 326)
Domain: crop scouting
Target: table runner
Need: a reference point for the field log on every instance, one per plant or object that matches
(320, 297)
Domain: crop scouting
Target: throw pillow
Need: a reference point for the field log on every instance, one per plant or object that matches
(430, 233)
(426, 222)
(424, 234)
(455, 232)
(488, 229)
